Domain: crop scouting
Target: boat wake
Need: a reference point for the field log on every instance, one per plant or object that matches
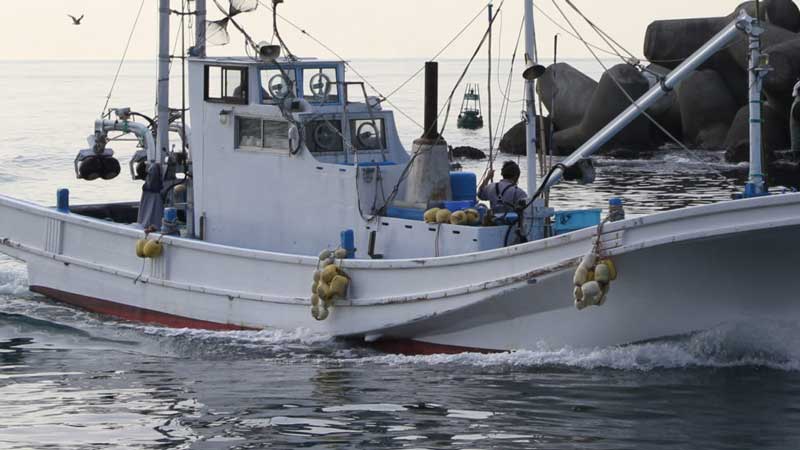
(13, 278)
(773, 345)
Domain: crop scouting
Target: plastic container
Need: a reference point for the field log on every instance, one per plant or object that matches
(464, 186)
(405, 213)
(458, 205)
(574, 220)
(616, 211)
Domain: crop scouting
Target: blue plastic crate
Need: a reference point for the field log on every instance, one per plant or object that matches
(405, 213)
(458, 205)
(464, 186)
(573, 220)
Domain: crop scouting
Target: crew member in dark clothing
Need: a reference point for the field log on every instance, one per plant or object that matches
(504, 196)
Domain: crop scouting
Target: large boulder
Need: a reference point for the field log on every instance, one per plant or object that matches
(607, 103)
(467, 152)
(707, 109)
(565, 90)
(784, 58)
(513, 140)
(774, 134)
(669, 42)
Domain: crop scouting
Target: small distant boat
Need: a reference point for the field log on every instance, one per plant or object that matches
(470, 116)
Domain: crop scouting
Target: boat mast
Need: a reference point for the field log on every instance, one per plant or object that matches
(162, 99)
(200, 28)
(537, 229)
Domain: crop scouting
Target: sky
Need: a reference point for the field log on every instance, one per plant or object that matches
(40, 29)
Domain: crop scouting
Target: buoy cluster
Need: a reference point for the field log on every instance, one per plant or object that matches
(330, 282)
(469, 216)
(593, 280)
(149, 248)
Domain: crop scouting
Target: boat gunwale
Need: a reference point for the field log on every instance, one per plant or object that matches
(412, 263)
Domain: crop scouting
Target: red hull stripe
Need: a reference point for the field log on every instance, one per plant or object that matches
(132, 313)
(135, 314)
(412, 347)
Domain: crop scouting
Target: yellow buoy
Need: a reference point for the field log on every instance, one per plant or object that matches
(324, 291)
(581, 276)
(314, 287)
(339, 286)
(328, 273)
(153, 249)
(473, 216)
(430, 215)
(458, 218)
(602, 274)
(317, 275)
(591, 292)
(443, 216)
(612, 269)
(323, 312)
(325, 254)
(340, 253)
(314, 300)
(140, 247)
(316, 311)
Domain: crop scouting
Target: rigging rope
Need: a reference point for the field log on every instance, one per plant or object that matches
(122, 60)
(631, 99)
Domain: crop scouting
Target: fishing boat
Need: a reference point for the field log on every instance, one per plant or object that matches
(289, 202)
(470, 116)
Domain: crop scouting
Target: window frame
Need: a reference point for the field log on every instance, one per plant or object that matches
(237, 145)
(244, 100)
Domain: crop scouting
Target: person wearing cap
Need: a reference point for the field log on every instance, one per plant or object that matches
(794, 120)
(504, 196)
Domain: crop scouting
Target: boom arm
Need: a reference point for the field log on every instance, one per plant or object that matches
(742, 23)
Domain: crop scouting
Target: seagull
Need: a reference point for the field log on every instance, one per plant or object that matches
(76, 20)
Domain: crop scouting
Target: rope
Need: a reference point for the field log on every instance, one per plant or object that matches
(633, 102)
(489, 87)
(122, 60)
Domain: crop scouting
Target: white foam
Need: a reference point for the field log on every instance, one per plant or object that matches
(13, 277)
(302, 336)
(770, 344)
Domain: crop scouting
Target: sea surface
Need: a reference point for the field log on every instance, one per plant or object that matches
(70, 379)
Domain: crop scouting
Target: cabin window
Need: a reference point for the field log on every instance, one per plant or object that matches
(257, 134)
(367, 134)
(277, 85)
(226, 84)
(321, 85)
(324, 136)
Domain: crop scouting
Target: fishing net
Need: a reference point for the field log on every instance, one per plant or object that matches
(217, 32)
(242, 6)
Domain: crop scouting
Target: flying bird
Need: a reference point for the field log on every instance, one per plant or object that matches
(76, 20)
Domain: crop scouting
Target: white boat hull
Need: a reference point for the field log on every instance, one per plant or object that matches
(680, 271)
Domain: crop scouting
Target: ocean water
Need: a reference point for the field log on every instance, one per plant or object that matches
(71, 379)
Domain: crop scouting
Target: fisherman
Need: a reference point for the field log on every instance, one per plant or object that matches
(504, 196)
(794, 120)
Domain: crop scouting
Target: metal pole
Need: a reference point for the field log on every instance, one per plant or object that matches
(431, 100)
(723, 38)
(756, 182)
(537, 231)
(489, 90)
(162, 138)
(200, 28)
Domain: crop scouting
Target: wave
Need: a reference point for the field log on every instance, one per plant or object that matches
(13, 278)
(772, 345)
